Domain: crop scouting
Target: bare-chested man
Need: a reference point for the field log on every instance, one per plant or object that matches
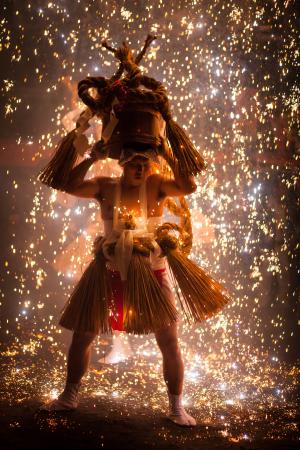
(135, 171)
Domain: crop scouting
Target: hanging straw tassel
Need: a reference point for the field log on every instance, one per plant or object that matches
(188, 158)
(203, 295)
(87, 308)
(145, 306)
(57, 171)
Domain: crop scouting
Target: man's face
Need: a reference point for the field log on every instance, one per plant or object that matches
(137, 170)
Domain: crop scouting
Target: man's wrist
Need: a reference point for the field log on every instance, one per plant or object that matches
(97, 151)
(92, 157)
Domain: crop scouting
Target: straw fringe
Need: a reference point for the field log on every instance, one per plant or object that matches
(87, 308)
(203, 296)
(186, 155)
(146, 308)
(56, 173)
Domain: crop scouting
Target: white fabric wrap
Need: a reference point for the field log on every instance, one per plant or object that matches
(123, 238)
(81, 142)
(123, 248)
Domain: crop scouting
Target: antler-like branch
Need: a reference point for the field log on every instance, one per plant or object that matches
(150, 38)
(124, 54)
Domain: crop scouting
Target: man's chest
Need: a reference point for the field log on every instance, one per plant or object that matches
(131, 201)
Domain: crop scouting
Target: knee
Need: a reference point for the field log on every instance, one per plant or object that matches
(169, 346)
(83, 339)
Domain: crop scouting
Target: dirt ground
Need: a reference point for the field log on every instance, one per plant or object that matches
(102, 424)
(254, 405)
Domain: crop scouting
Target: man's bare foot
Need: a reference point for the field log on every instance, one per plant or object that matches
(183, 419)
(59, 405)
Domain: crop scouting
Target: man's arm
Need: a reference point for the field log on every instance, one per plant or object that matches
(83, 188)
(174, 187)
(80, 187)
(88, 188)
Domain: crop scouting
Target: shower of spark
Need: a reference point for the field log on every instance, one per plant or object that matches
(230, 69)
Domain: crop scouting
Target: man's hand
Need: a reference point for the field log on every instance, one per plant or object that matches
(97, 151)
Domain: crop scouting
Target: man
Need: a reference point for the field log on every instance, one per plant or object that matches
(136, 170)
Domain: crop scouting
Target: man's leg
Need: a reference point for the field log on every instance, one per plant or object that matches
(79, 355)
(78, 362)
(173, 370)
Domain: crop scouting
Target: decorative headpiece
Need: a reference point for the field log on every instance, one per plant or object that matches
(131, 116)
(128, 154)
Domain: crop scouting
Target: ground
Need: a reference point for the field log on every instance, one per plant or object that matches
(248, 403)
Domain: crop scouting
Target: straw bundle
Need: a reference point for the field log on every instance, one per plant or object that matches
(146, 308)
(187, 157)
(203, 296)
(87, 308)
(56, 173)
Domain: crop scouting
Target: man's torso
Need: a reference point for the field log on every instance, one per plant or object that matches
(129, 198)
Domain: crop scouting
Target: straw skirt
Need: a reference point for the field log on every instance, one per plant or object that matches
(102, 302)
(117, 299)
(88, 310)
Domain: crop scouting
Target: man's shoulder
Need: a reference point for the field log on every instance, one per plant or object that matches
(154, 181)
(105, 184)
(106, 180)
(154, 177)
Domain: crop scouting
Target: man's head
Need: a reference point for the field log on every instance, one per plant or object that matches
(136, 165)
(136, 170)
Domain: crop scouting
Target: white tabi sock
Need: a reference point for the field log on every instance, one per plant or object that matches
(177, 413)
(67, 400)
